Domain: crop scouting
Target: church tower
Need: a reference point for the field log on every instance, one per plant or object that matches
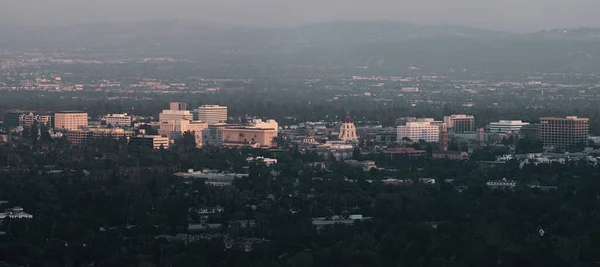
(348, 130)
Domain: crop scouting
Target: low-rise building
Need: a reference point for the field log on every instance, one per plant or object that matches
(262, 160)
(392, 153)
(148, 142)
(117, 120)
(86, 135)
(506, 126)
(504, 183)
(213, 178)
(15, 213)
(366, 165)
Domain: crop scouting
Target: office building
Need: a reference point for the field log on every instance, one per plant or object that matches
(563, 133)
(211, 114)
(213, 135)
(85, 136)
(178, 106)
(175, 129)
(530, 132)
(348, 131)
(14, 119)
(70, 120)
(460, 123)
(259, 133)
(506, 126)
(148, 142)
(117, 120)
(174, 115)
(422, 129)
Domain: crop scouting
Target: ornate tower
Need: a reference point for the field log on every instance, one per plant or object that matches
(348, 130)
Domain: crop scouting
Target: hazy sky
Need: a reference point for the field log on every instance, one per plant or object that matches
(515, 15)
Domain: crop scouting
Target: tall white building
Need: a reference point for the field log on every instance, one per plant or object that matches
(211, 114)
(506, 126)
(117, 119)
(70, 120)
(426, 129)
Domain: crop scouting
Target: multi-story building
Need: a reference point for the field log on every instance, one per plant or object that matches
(563, 132)
(426, 129)
(506, 126)
(15, 119)
(460, 123)
(258, 133)
(117, 119)
(70, 120)
(178, 106)
(87, 135)
(174, 115)
(211, 114)
(530, 132)
(148, 142)
(175, 129)
(213, 135)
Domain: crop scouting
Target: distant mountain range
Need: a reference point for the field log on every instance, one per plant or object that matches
(380, 45)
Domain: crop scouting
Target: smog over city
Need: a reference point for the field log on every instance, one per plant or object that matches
(299, 133)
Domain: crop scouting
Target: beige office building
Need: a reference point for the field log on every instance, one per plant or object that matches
(257, 133)
(70, 120)
(175, 129)
(211, 114)
(149, 142)
(87, 135)
(178, 106)
(563, 132)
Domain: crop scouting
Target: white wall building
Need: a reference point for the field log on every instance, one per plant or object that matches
(427, 129)
(211, 114)
(117, 119)
(173, 115)
(506, 126)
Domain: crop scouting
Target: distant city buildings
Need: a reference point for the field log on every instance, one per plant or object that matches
(178, 106)
(506, 126)
(175, 129)
(260, 133)
(174, 115)
(117, 120)
(348, 131)
(426, 129)
(460, 123)
(84, 136)
(14, 119)
(70, 120)
(148, 142)
(211, 114)
(563, 133)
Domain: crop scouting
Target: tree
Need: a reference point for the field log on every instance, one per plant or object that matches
(189, 140)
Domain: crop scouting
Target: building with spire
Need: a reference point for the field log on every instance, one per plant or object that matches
(348, 130)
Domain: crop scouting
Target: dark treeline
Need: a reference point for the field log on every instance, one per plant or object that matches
(108, 206)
